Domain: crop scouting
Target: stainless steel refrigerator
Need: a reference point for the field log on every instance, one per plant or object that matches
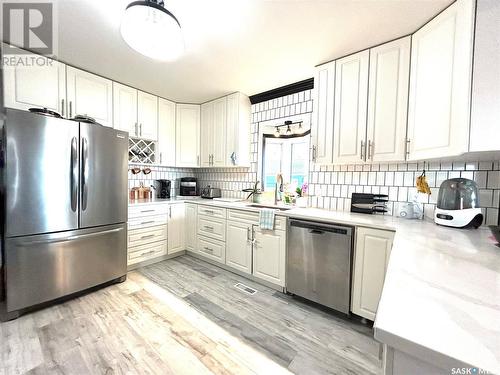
(64, 197)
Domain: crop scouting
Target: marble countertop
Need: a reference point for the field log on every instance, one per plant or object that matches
(441, 296)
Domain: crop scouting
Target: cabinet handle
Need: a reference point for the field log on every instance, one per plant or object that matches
(144, 211)
(233, 158)
(148, 236)
(198, 160)
(208, 227)
(147, 253)
(140, 130)
(160, 156)
(408, 147)
(62, 107)
(70, 109)
(370, 149)
(170, 212)
(362, 147)
(212, 159)
(248, 234)
(147, 222)
(314, 153)
(210, 212)
(208, 249)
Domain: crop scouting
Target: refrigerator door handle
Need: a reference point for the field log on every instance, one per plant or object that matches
(74, 174)
(85, 168)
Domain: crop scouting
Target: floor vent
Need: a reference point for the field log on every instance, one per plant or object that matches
(245, 289)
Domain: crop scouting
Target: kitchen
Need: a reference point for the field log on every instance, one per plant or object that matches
(175, 205)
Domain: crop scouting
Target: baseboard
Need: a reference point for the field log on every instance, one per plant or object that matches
(154, 260)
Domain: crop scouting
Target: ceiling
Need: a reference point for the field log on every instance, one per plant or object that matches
(234, 45)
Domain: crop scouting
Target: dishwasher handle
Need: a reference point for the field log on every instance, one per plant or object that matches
(320, 228)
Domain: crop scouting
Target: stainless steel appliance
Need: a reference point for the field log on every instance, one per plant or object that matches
(209, 192)
(188, 187)
(319, 259)
(458, 204)
(162, 188)
(65, 208)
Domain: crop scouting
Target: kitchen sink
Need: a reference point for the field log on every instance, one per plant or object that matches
(281, 208)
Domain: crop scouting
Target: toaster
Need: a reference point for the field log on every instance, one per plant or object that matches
(210, 192)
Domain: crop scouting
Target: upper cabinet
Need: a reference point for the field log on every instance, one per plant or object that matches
(237, 150)
(388, 101)
(351, 96)
(322, 126)
(125, 108)
(36, 86)
(166, 133)
(147, 115)
(187, 135)
(440, 84)
(213, 133)
(89, 95)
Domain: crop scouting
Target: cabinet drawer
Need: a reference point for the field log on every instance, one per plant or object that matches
(147, 210)
(212, 249)
(138, 237)
(150, 221)
(212, 227)
(212, 211)
(250, 217)
(145, 252)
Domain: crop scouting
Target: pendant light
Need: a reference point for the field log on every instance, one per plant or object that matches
(277, 132)
(152, 30)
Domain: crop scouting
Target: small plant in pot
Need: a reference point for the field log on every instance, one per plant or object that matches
(302, 195)
(255, 193)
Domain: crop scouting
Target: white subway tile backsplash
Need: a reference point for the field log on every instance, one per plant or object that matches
(493, 180)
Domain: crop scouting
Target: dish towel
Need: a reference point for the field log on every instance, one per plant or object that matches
(266, 218)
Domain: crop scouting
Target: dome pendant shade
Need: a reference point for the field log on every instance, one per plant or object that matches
(152, 30)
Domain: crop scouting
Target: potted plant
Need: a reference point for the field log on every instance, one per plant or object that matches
(302, 195)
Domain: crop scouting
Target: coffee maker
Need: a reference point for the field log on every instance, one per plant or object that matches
(162, 188)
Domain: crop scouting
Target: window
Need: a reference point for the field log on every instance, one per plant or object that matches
(288, 157)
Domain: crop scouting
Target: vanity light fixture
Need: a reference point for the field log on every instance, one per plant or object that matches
(150, 29)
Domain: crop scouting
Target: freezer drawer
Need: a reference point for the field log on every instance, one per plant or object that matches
(319, 261)
(45, 267)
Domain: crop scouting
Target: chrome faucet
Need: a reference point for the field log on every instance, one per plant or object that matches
(278, 187)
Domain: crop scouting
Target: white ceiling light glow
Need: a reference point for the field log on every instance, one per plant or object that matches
(152, 30)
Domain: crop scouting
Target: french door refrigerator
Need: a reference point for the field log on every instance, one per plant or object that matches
(64, 213)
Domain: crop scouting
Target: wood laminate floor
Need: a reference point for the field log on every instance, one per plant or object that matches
(184, 316)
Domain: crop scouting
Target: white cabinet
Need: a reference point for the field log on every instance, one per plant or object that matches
(125, 108)
(89, 95)
(440, 84)
(41, 86)
(176, 225)
(322, 126)
(239, 246)
(213, 133)
(212, 249)
(166, 133)
(187, 135)
(191, 226)
(371, 256)
(269, 252)
(237, 150)
(351, 95)
(388, 101)
(147, 115)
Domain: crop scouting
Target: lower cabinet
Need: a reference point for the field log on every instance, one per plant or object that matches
(212, 249)
(176, 240)
(269, 255)
(239, 246)
(190, 226)
(371, 256)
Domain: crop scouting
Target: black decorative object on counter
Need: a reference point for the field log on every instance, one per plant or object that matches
(365, 203)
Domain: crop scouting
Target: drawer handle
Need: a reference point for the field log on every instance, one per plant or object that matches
(147, 253)
(148, 236)
(208, 228)
(208, 249)
(148, 211)
(209, 212)
(147, 222)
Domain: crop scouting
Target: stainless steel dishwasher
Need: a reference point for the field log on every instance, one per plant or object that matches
(319, 261)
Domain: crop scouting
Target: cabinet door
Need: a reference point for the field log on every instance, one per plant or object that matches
(219, 133)
(238, 130)
(239, 246)
(166, 132)
(125, 109)
(371, 256)
(351, 95)
(388, 101)
(440, 84)
(188, 135)
(322, 127)
(207, 134)
(269, 253)
(191, 226)
(147, 115)
(41, 86)
(89, 95)
(175, 236)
